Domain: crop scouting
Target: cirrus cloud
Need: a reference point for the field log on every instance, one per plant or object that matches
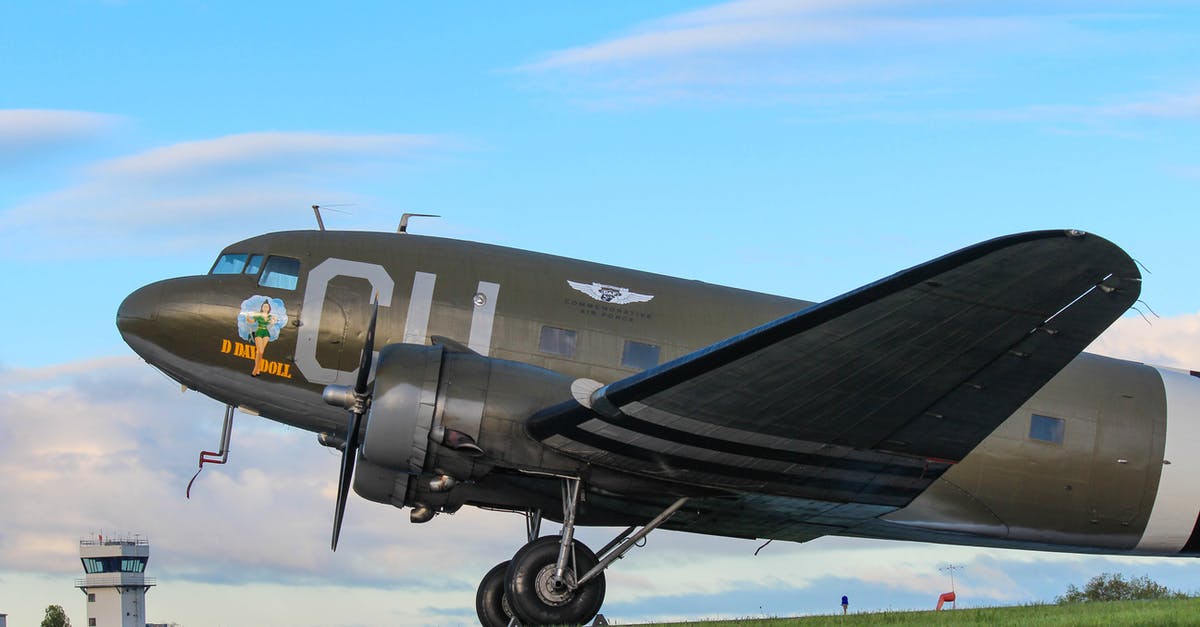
(883, 60)
(27, 134)
(273, 150)
(777, 51)
(186, 195)
(23, 128)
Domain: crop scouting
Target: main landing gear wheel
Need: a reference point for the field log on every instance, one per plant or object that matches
(490, 602)
(537, 599)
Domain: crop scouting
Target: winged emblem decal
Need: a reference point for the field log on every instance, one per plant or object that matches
(610, 293)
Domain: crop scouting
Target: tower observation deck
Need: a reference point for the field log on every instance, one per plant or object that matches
(114, 581)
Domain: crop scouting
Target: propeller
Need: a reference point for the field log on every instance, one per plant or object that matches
(358, 407)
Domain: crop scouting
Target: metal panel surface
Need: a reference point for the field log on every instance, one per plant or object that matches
(905, 375)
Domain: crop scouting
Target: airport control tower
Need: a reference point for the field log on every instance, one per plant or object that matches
(114, 583)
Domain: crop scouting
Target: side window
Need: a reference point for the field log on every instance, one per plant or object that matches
(254, 265)
(1047, 429)
(281, 272)
(231, 263)
(638, 355)
(556, 341)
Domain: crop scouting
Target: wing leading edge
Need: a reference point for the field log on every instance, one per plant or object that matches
(870, 396)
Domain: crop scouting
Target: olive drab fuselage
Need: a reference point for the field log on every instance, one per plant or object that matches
(1097, 461)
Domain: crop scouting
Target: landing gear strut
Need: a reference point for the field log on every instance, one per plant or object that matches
(555, 580)
(538, 597)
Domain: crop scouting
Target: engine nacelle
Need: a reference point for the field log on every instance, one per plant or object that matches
(444, 417)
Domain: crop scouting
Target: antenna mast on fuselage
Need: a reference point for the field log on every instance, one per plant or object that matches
(403, 228)
(317, 212)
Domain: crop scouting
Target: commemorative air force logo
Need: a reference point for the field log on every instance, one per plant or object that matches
(610, 293)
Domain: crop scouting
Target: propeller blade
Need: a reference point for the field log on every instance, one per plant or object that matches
(350, 452)
(368, 353)
(349, 455)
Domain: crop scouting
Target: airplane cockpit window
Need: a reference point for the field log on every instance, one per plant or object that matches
(254, 265)
(1047, 429)
(281, 272)
(639, 355)
(229, 263)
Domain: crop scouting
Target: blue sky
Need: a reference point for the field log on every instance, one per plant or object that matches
(802, 148)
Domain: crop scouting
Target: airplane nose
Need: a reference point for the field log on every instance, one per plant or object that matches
(138, 308)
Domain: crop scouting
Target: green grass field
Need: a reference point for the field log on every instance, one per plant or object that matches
(1156, 613)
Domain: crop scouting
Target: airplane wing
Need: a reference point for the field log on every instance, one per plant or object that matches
(868, 397)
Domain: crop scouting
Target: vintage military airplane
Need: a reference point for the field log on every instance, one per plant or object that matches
(947, 403)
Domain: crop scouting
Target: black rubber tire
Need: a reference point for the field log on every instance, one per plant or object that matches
(575, 608)
(489, 599)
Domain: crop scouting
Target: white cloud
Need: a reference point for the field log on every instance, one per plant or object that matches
(776, 51)
(759, 10)
(103, 205)
(1167, 106)
(104, 218)
(1160, 106)
(203, 193)
(772, 32)
(25, 376)
(110, 444)
(1112, 118)
(1171, 341)
(750, 25)
(859, 59)
(274, 151)
(30, 129)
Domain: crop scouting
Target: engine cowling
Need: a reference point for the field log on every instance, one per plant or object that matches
(440, 417)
